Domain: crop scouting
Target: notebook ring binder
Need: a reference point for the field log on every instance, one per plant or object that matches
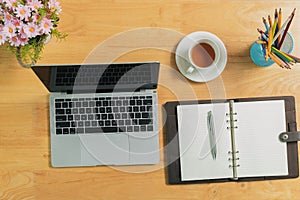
(234, 166)
(227, 121)
(235, 127)
(230, 159)
(235, 152)
(228, 114)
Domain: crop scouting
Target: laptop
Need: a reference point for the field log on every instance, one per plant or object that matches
(102, 114)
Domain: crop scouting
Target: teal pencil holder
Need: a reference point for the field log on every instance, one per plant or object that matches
(257, 54)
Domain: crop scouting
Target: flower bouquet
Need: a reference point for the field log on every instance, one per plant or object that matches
(25, 25)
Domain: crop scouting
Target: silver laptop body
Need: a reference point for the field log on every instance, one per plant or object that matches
(102, 114)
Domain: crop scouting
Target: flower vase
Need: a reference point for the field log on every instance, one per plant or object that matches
(36, 52)
(21, 61)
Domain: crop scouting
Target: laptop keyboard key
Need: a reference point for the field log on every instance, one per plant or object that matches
(77, 117)
(79, 130)
(73, 124)
(143, 128)
(57, 105)
(65, 131)
(101, 123)
(136, 128)
(72, 131)
(101, 130)
(122, 129)
(61, 118)
(129, 128)
(87, 123)
(60, 111)
(65, 105)
(147, 102)
(104, 116)
(149, 128)
(145, 121)
(94, 123)
(80, 124)
(107, 123)
(113, 123)
(62, 124)
(145, 115)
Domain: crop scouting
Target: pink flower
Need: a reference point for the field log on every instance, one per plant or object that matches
(7, 17)
(11, 3)
(14, 41)
(16, 22)
(9, 30)
(2, 37)
(35, 4)
(23, 12)
(46, 26)
(54, 6)
(31, 30)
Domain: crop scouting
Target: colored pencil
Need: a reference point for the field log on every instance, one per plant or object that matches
(275, 25)
(279, 25)
(269, 42)
(263, 35)
(270, 21)
(274, 29)
(266, 24)
(276, 60)
(286, 29)
(261, 42)
(264, 49)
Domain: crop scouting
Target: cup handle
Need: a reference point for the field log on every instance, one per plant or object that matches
(190, 69)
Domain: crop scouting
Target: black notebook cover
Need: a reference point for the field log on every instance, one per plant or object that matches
(172, 159)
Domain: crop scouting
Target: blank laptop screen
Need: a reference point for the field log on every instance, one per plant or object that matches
(98, 77)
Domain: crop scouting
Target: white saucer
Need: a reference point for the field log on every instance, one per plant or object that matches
(205, 74)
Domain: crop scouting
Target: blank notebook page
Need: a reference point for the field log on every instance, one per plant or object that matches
(258, 126)
(196, 161)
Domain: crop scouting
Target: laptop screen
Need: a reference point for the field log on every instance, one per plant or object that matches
(98, 77)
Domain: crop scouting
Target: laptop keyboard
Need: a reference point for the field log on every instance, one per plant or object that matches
(104, 114)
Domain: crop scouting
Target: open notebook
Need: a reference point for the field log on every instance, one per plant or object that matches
(254, 133)
(245, 143)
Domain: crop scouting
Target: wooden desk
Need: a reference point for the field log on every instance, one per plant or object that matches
(25, 172)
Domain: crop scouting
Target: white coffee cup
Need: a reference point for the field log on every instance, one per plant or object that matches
(203, 54)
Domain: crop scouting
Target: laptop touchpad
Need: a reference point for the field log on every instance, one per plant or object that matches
(65, 151)
(105, 149)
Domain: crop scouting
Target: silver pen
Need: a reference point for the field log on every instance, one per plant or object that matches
(212, 134)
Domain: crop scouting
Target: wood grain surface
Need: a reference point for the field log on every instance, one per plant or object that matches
(131, 31)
